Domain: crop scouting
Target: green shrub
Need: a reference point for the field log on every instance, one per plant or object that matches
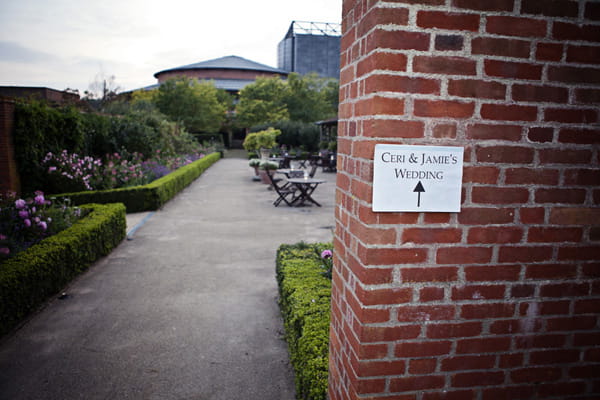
(33, 275)
(305, 298)
(151, 196)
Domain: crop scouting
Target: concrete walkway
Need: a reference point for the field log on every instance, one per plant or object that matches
(187, 309)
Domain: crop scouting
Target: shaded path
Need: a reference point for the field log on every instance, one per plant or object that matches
(185, 310)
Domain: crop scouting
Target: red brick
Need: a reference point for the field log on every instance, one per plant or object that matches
(427, 294)
(536, 93)
(425, 313)
(565, 290)
(422, 349)
(592, 11)
(568, 196)
(569, 31)
(504, 154)
(383, 296)
(539, 341)
(380, 368)
(487, 175)
(381, 61)
(422, 366)
(491, 344)
(450, 21)
(524, 176)
(493, 273)
(550, 271)
(389, 256)
(574, 74)
(444, 65)
(524, 254)
(583, 54)
(444, 131)
(520, 291)
(436, 218)
(575, 323)
(487, 310)
(572, 115)
(540, 135)
(485, 216)
(478, 292)
(487, 378)
(378, 105)
(401, 84)
(582, 177)
(494, 132)
(574, 216)
(429, 274)
(488, 5)
(455, 330)
(463, 255)
(391, 128)
(551, 8)
(551, 234)
(546, 308)
(567, 156)
(397, 40)
(501, 47)
(515, 70)
(499, 195)
(382, 16)
(510, 360)
(511, 326)
(516, 26)
(586, 339)
(372, 386)
(476, 89)
(549, 51)
(587, 96)
(414, 383)
(372, 351)
(462, 363)
(588, 306)
(535, 375)
(449, 42)
(557, 390)
(579, 136)
(502, 112)
(502, 234)
(450, 395)
(443, 109)
(509, 393)
(372, 334)
(532, 215)
(431, 235)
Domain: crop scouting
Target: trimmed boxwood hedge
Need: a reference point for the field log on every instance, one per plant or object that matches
(148, 197)
(33, 275)
(305, 299)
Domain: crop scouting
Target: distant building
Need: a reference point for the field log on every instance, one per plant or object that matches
(39, 93)
(311, 47)
(231, 73)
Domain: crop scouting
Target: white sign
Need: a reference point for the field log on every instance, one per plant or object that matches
(417, 178)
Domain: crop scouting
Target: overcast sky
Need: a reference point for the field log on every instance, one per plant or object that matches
(69, 43)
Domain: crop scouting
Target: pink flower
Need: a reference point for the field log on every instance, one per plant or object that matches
(51, 169)
(326, 254)
(4, 250)
(43, 225)
(3, 237)
(27, 222)
(20, 204)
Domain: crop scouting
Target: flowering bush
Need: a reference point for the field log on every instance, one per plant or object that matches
(72, 173)
(120, 171)
(327, 259)
(24, 223)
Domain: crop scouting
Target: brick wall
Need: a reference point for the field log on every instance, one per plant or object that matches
(501, 300)
(9, 178)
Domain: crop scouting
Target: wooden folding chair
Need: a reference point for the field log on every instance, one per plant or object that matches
(283, 190)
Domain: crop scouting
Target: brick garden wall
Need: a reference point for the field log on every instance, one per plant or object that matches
(9, 177)
(501, 300)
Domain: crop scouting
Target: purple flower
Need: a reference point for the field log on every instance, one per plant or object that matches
(2, 237)
(27, 222)
(39, 199)
(51, 169)
(24, 214)
(43, 225)
(20, 204)
(326, 254)
(4, 250)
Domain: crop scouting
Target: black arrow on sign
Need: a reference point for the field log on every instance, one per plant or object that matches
(419, 189)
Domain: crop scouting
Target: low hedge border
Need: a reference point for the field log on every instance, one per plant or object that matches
(148, 197)
(305, 299)
(39, 272)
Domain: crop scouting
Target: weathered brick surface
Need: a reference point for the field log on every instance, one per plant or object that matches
(500, 300)
(9, 177)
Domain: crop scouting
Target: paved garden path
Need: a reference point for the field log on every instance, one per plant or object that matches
(187, 309)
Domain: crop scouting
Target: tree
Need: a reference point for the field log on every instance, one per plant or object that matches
(262, 101)
(102, 90)
(308, 98)
(195, 105)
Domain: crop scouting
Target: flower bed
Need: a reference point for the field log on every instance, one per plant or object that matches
(305, 298)
(151, 196)
(33, 275)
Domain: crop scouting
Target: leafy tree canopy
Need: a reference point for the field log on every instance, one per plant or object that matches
(196, 105)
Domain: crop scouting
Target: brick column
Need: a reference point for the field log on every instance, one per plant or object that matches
(500, 300)
(9, 177)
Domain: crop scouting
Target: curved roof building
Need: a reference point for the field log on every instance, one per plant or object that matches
(231, 73)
